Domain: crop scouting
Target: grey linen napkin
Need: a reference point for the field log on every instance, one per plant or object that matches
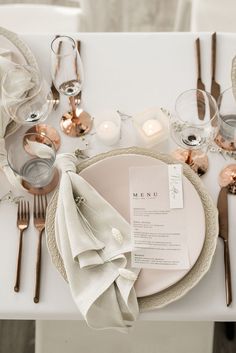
(94, 242)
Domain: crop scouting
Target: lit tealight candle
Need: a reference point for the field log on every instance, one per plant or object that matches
(151, 127)
(108, 132)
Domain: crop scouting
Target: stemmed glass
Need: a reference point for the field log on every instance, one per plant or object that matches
(27, 99)
(67, 75)
(192, 131)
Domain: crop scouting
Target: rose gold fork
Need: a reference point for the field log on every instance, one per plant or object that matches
(40, 207)
(23, 217)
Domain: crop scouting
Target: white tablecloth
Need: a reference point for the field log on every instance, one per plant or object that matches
(129, 72)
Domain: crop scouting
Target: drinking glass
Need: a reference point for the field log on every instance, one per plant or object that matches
(192, 131)
(68, 78)
(31, 156)
(226, 137)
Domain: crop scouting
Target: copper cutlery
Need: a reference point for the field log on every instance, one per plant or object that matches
(200, 84)
(215, 87)
(78, 96)
(56, 96)
(55, 93)
(222, 205)
(23, 218)
(40, 207)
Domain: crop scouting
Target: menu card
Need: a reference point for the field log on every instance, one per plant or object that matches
(157, 232)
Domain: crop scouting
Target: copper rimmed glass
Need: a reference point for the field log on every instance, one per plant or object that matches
(226, 137)
(32, 156)
(192, 131)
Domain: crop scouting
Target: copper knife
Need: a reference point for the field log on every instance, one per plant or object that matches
(200, 84)
(78, 96)
(215, 87)
(222, 205)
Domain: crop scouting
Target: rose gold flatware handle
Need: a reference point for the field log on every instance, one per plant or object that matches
(77, 98)
(200, 84)
(38, 268)
(213, 55)
(198, 56)
(222, 205)
(17, 283)
(215, 87)
(40, 208)
(23, 218)
(228, 286)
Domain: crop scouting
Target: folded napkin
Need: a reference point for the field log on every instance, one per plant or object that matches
(94, 242)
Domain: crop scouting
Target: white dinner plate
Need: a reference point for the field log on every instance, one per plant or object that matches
(110, 177)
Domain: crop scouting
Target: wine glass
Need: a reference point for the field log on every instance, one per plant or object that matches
(27, 99)
(68, 78)
(25, 96)
(192, 131)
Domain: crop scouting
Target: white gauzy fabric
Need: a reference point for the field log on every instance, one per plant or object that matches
(97, 262)
(6, 64)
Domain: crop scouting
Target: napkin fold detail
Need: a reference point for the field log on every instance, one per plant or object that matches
(98, 266)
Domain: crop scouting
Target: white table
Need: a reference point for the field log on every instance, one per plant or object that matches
(129, 72)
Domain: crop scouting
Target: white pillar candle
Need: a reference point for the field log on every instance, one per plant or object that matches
(108, 132)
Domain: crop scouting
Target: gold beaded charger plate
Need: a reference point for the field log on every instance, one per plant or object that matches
(20, 54)
(155, 288)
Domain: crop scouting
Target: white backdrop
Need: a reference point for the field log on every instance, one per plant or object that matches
(129, 15)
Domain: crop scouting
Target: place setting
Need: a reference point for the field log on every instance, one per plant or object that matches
(131, 228)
